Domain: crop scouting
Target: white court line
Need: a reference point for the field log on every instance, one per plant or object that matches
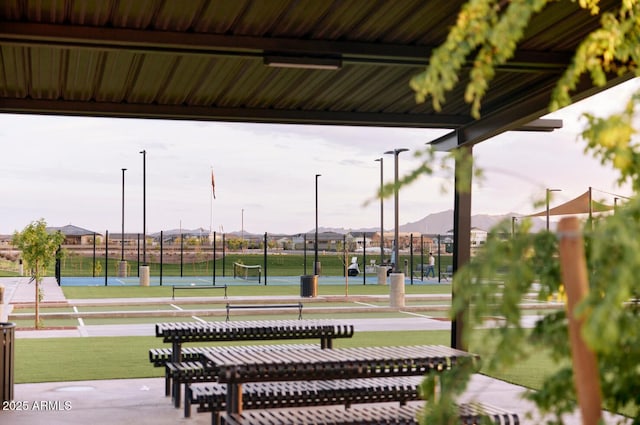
(365, 304)
(80, 321)
(416, 314)
(176, 307)
(198, 319)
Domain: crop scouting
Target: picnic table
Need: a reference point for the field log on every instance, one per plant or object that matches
(237, 368)
(197, 332)
(255, 330)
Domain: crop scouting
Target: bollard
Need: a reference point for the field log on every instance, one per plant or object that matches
(382, 275)
(145, 275)
(122, 268)
(396, 291)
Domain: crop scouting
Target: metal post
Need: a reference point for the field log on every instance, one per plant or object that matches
(381, 160)
(439, 261)
(138, 268)
(144, 207)
(344, 247)
(548, 191)
(94, 254)
(422, 257)
(411, 257)
(214, 258)
(265, 258)
(396, 153)
(224, 255)
(181, 253)
(161, 250)
(304, 250)
(106, 257)
(122, 234)
(461, 236)
(364, 258)
(315, 245)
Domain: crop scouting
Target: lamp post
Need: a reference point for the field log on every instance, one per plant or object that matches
(547, 193)
(381, 160)
(122, 233)
(144, 270)
(316, 264)
(396, 153)
(144, 207)
(122, 267)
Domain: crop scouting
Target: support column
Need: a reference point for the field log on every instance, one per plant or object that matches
(461, 232)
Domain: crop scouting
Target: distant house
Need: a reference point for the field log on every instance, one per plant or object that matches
(478, 237)
(327, 241)
(74, 235)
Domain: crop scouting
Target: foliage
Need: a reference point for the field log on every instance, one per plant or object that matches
(528, 263)
(39, 249)
(490, 30)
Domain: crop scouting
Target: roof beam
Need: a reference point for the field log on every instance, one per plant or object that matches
(203, 113)
(521, 117)
(66, 36)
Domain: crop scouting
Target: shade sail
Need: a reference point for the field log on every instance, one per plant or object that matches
(579, 205)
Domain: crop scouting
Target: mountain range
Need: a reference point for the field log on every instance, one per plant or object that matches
(442, 222)
(433, 224)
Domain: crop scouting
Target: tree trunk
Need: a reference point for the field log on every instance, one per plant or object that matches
(37, 280)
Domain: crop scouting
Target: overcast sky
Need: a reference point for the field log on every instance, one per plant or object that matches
(68, 171)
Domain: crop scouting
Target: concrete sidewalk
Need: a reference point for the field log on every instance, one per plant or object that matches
(142, 401)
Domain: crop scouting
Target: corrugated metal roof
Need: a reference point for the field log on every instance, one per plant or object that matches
(203, 60)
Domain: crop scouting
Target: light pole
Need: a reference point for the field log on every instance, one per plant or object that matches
(144, 207)
(381, 160)
(242, 230)
(547, 193)
(122, 233)
(316, 268)
(396, 153)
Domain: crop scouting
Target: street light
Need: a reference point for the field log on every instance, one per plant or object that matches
(381, 160)
(396, 153)
(315, 243)
(548, 192)
(122, 234)
(144, 207)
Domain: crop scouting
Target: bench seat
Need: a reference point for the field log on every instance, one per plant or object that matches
(470, 414)
(213, 398)
(161, 356)
(191, 370)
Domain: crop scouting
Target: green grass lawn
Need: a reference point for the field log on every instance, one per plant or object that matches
(93, 292)
(70, 359)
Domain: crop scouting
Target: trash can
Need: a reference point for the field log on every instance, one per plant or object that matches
(8, 336)
(309, 286)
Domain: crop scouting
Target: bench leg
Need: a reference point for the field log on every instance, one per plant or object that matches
(187, 400)
(167, 382)
(176, 393)
(234, 398)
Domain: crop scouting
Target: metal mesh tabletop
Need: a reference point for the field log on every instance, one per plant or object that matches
(469, 414)
(253, 330)
(290, 365)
